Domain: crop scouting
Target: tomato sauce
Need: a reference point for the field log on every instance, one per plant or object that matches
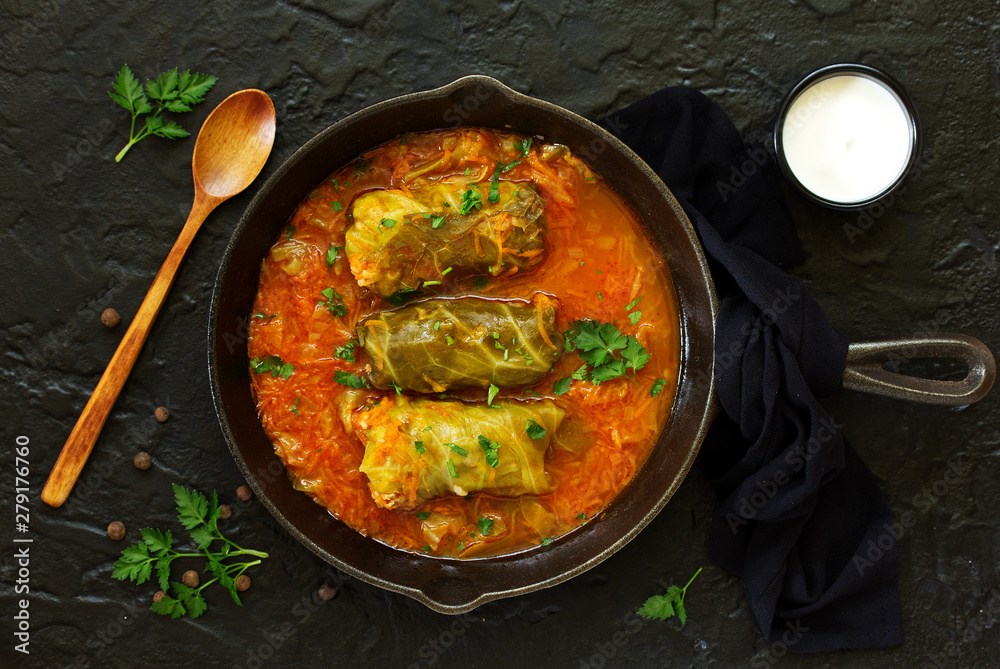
(597, 262)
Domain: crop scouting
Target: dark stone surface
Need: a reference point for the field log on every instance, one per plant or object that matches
(81, 233)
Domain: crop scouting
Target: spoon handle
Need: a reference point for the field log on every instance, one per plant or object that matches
(81, 440)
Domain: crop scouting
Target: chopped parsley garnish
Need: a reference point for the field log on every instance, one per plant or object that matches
(635, 316)
(336, 205)
(397, 388)
(495, 184)
(658, 386)
(295, 406)
(437, 325)
(400, 296)
(468, 171)
(332, 254)
(423, 515)
(561, 386)
(350, 380)
(491, 394)
(581, 516)
(523, 146)
(451, 469)
(289, 231)
(273, 364)
(509, 166)
(461, 545)
(437, 222)
(264, 316)
(599, 296)
(546, 541)
(387, 223)
(535, 431)
(485, 525)
(480, 282)
(336, 184)
(346, 352)
(471, 199)
(419, 445)
(580, 374)
(334, 302)
(449, 340)
(491, 449)
(457, 449)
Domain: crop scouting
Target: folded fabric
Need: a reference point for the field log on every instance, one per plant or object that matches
(799, 509)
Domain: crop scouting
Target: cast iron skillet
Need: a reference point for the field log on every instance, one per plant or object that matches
(453, 586)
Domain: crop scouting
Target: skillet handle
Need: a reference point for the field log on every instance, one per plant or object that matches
(866, 374)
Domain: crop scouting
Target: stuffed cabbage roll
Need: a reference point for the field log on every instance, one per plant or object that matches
(468, 342)
(416, 450)
(402, 238)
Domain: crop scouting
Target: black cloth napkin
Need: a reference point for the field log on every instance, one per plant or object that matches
(801, 518)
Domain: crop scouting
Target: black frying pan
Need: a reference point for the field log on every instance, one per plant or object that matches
(456, 586)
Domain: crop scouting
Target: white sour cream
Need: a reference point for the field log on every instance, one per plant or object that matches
(847, 138)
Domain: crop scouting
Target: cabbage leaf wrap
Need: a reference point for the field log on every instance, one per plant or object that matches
(468, 342)
(402, 238)
(416, 450)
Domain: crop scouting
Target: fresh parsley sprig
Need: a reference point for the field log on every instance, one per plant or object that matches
(669, 604)
(606, 350)
(173, 91)
(200, 518)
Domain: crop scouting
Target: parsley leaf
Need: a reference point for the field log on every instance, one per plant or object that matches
(419, 445)
(491, 394)
(346, 352)
(635, 355)
(495, 184)
(480, 282)
(336, 205)
(471, 199)
(662, 607)
(387, 222)
(535, 431)
(294, 408)
(273, 364)
(523, 146)
(423, 515)
(173, 91)
(635, 316)
(350, 380)
(457, 449)
(491, 449)
(400, 296)
(437, 222)
(485, 525)
(334, 302)
(561, 386)
(657, 388)
(451, 469)
(580, 374)
(332, 254)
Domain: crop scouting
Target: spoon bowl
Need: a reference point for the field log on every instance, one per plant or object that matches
(232, 147)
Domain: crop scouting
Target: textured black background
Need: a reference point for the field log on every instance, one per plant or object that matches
(80, 233)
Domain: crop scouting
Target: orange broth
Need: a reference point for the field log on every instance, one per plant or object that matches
(598, 260)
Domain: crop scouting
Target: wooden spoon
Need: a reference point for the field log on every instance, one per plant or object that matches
(230, 152)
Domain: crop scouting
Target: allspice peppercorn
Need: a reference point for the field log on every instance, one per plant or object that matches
(243, 492)
(242, 582)
(142, 460)
(110, 317)
(116, 530)
(190, 578)
(225, 511)
(159, 595)
(162, 414)
(327, 592)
